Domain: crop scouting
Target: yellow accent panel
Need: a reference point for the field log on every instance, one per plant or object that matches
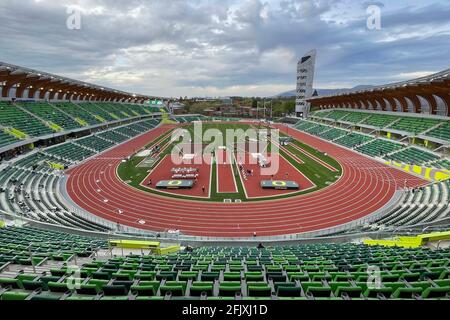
(135, 113)
(439, 176)
(114, 116)
(410, 242)
(99, 118)
(405, 242)
(16, 133)
(55, 165)
(435, 236)
(429, 174)
(168, 250)
(2, 224)
(125, 114)
(417, 169)
(135, 244)
(81, 122)
(54, 126)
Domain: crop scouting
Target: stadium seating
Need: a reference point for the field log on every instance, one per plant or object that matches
(20, 121)
(380, 148)
(442, 132)
(94, 143)
(379, 120)
(305, 125)
(13, 117)
(441, 164)
(303, 272)
(376, 147)
(318, 129)
(192, 118)
(69, 152)
(31, 184)
(412, 155)
(420, 205)
(49, 113)
(414, 125)
(78, 113)
(332, 114)
(6, 139)
(355, 117)
(333, 134)
(353, 140)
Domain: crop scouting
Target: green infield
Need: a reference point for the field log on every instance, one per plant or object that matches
(131, 173)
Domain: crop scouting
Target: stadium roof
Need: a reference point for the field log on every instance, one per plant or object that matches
(407, 95)
(21, 78)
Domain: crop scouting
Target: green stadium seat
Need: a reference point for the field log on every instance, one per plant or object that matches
(352, 292)
(407, 293)
(230, 288)
(114, 290)
(258, 289)
(87, 289)
(175, 288)
(383, 292)
(57, 287)
(14, 295)
(199, 287)
(8, 282)
(288, 290)
(232, 276)
(253, 276)
(209, 276)
(167, 275)
(437, 293)
(319, 291)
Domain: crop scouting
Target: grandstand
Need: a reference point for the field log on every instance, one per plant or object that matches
(82, 218)
(293, 272)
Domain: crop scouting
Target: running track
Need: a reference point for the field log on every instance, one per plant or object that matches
(365, 186)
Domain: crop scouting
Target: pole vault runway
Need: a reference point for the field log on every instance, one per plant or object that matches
(365, 186)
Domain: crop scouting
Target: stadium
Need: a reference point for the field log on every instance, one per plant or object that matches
(111, 195)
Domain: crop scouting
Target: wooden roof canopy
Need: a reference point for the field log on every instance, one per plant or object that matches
(401, 96)
(29, 82)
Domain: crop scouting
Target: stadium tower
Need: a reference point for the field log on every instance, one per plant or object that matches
(305, 77)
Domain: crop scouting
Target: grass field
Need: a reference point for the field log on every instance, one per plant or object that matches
(316, 172)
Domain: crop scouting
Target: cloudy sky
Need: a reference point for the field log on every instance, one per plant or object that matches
(225, 47)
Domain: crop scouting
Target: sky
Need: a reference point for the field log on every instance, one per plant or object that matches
(225, 47)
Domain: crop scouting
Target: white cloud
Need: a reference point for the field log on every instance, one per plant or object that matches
(224, 47)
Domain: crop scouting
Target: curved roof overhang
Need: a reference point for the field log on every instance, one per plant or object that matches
(394, 95)
(31, 84)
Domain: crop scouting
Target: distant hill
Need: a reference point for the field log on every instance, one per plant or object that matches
(325, 92)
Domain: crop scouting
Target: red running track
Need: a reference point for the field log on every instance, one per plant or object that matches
(365, 186)
(225, 175)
